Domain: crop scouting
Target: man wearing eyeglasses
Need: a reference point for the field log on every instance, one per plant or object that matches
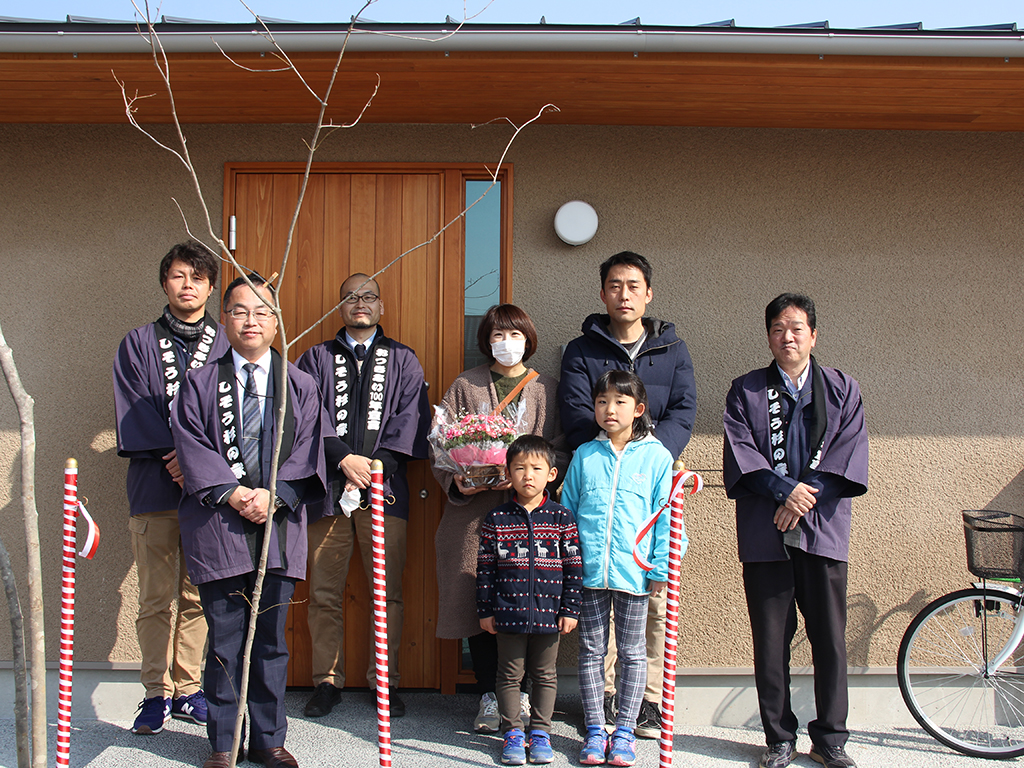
(374, 392)
(224, 423)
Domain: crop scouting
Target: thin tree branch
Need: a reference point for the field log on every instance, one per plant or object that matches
(445, 36)
(314, 145)
(283, 398)
(188, 230)
(546, 108)
(321, 131)
(130, 109)
(331, 128)
(252, 69)
(268, 527)
(457, 217)
(279, 52)
(162, 65)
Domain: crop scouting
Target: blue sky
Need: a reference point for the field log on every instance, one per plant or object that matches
(840, 13)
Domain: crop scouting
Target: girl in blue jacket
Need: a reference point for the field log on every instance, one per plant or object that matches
(615, 485)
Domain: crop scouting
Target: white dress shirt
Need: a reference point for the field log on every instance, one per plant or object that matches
(261, 375)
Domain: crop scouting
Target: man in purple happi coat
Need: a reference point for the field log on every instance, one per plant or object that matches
(224, 427)
(374, 393)
(148, 370)
(796, 451)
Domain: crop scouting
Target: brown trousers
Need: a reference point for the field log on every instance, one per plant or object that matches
(537, 656)
(172, 644)
(331, 541)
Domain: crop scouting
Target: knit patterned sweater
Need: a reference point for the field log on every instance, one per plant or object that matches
(529, 568)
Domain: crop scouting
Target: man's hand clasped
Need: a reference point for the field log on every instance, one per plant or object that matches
(173, 468)
(356, 469)
(799, 503)
(252, 504)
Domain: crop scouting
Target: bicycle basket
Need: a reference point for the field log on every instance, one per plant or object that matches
(995, 544)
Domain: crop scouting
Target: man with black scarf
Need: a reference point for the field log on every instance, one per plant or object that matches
(796, 452)
(149, 367)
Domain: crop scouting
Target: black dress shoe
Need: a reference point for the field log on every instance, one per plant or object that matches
(223, 759)
(397, 705)
(322, 701)
(274, 757)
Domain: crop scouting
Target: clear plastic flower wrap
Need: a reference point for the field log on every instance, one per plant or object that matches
(473, 445)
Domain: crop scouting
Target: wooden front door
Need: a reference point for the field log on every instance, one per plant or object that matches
(358, 218)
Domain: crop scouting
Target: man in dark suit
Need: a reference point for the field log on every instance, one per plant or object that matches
(223, 423)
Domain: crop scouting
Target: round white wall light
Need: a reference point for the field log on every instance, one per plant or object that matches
(576, 222)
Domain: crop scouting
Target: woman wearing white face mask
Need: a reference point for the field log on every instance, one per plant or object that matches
(508, 338)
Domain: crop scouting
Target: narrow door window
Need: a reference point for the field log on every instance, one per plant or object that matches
(483, 262)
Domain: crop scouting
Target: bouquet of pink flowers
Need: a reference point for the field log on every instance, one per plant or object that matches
(473, 445)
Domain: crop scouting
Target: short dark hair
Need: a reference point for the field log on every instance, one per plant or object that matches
(783, 302)
(257, 280)
(630, 259)
(629, 384)
(506, 317)
(530, 445)
(196, 255)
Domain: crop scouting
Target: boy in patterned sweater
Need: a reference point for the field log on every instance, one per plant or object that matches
(528, 591)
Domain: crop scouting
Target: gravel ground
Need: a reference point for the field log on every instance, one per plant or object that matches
(436, 733)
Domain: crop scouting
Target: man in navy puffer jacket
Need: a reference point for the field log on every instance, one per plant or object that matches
(627, 340)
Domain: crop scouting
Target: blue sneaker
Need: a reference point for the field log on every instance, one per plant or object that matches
(153, 713)
(622, 750)
(514, 750)
(594, 746)
(190, 707)
(540, 747)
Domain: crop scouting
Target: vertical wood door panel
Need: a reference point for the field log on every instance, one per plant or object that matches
(306, 264)
(359, 222)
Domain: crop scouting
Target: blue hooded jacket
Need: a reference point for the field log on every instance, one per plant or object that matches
(612, 495)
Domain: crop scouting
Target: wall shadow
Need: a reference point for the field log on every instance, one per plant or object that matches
(1011, 497)
(865, 622)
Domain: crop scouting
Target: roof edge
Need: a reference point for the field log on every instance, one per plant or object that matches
(78, 37)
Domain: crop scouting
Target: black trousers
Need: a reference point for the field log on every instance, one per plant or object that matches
(483, 651)
(817, 585)
(226, 604)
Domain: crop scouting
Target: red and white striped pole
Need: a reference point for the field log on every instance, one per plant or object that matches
(675, 559)
(380, 613)
(67, 614)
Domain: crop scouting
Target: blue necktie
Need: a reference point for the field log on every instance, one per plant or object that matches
(252, 427)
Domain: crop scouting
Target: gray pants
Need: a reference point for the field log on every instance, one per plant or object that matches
(630, 625)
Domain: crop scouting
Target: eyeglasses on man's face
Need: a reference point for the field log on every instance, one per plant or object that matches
(366, 298)
(260, 314)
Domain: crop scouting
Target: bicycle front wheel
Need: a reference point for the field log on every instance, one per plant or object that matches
(944, 678)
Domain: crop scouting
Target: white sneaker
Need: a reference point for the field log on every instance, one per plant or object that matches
(487, 716)
(524, 707)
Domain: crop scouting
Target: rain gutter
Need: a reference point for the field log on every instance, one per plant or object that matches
(119, 38)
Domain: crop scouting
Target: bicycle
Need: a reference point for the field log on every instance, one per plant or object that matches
(961, 665)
